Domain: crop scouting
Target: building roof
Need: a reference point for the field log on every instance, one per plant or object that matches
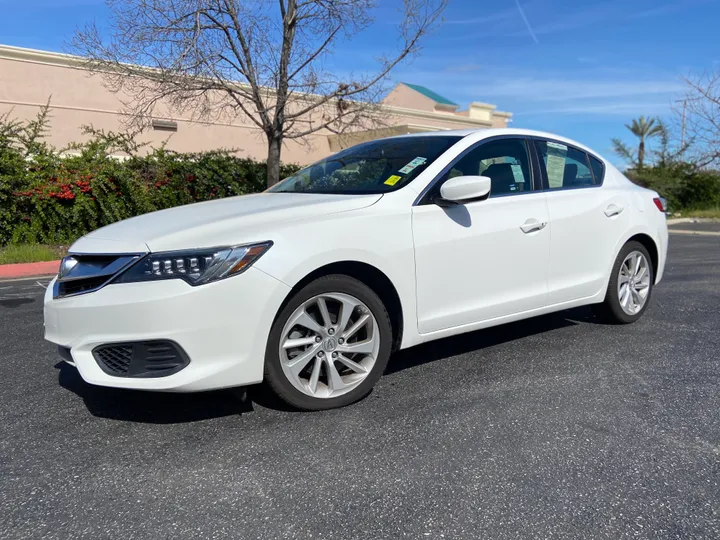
(430, 94)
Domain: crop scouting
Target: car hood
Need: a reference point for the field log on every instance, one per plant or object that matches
(235, 220)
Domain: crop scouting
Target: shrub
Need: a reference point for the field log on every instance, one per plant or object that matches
(53, 197)
(683, 185)
(701, 191)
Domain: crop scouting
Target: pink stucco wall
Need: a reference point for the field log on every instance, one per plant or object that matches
(79, 99)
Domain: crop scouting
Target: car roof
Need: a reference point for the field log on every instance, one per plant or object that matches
(485, 133)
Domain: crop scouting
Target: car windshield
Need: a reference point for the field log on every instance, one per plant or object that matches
(373, 167)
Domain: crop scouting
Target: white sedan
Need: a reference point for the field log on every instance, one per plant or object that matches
(311, 285)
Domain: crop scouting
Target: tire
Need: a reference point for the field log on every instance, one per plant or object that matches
(330, 360)
(612, 310)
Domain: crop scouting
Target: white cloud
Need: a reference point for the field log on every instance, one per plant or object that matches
(492, 17)
(462, 68)
(586, 90)
(527, 23)
(563, 88)
(603, 109)
(605, 12)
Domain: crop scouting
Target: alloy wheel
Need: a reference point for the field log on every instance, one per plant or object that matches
(633, 282)
(329, 345)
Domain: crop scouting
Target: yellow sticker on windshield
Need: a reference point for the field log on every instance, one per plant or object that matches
(393, 180)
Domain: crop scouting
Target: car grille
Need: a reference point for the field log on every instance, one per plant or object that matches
(81, 274)
(157, 358)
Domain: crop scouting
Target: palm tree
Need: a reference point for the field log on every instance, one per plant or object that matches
(644, 129)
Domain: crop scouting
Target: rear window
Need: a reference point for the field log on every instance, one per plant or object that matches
(565, 167)
(598, 170)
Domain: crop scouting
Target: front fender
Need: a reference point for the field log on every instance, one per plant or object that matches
(377, 238)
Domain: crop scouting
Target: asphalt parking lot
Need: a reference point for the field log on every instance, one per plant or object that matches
(557, 427)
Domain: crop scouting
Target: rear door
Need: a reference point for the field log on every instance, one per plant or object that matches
(586, 219)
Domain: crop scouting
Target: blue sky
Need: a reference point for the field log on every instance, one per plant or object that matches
(579, 68)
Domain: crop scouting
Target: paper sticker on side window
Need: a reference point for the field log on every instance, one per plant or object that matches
(517, 174)
(555, 163)
(410, 167)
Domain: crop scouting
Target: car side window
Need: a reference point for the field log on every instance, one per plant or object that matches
(598, 170)
(565, 166)
(504, 161)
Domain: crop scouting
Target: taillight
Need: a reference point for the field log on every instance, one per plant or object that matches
(660, 203)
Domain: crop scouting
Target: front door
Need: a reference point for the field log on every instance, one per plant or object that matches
(485, 259)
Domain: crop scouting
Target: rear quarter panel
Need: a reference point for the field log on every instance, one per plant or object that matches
(645, 218)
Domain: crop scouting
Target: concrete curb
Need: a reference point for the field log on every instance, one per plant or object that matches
(675, 221)
(21, 270)
(698, 233)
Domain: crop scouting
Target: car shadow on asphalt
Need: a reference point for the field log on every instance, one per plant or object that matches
(15, 302)
(169, 408)
(487, 337)
(153, 407)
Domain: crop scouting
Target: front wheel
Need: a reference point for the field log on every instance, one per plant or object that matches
(630, 285)
(329, 345)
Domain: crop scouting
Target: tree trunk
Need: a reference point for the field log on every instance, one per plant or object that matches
(273, 160)
(641, 154)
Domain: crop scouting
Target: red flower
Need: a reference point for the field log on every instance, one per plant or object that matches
(62, 195)
(83, 186)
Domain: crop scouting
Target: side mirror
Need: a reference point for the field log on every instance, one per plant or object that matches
(463, 189)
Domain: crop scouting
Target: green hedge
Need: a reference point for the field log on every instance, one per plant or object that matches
(683, 185)
(53, 197)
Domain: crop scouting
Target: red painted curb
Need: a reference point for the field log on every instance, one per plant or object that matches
(47, 268)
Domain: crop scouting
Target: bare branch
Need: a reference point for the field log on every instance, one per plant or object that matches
(260, 59)
(702, 122)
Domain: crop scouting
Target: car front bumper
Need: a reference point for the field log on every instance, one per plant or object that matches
(222, 327)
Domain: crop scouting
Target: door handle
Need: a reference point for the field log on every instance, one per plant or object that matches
(532, 225)
(613, 210)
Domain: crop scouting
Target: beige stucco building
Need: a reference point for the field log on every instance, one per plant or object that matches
(29, 78)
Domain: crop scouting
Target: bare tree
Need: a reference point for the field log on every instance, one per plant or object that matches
(264, 59)
(701, 118)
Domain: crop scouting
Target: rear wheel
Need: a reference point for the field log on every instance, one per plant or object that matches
(329, 345)
(630, 286)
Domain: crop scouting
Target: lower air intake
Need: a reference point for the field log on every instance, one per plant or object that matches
(158, 358)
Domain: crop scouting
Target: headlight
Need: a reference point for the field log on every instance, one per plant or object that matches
(195, 266)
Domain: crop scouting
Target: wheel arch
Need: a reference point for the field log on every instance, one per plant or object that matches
(648, 243)
(371, 276)
(637, 235)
